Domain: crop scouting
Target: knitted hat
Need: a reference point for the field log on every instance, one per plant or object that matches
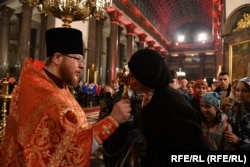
(64, 41)
(212, 98)
(149, 68)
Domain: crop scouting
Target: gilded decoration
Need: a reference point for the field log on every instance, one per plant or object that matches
(106, 129)
(244, 22)
(239, 65)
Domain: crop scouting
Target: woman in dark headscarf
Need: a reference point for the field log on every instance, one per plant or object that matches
(170, 123)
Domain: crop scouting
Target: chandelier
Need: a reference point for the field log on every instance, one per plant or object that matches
(181, 73)
(74, 10)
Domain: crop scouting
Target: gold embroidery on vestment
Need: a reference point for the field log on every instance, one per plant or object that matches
(106, 129)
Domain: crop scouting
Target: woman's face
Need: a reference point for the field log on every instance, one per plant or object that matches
(115, 85)
(208, 110)
(135, 85)
(233, 89)
(201, 90)
(174, 83)
(242, 93)
(190, 89)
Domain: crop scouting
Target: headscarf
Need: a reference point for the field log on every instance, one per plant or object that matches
(149, 68)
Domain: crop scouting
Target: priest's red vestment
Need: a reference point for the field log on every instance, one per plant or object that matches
(46, 127)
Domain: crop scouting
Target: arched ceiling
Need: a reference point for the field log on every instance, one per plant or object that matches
(164, 18)
(172, 14)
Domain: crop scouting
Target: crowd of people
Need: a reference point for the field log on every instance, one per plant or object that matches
(224, 108)
(89, 94)
(47, 125)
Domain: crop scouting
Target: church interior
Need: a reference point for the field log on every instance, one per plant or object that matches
(195, 37)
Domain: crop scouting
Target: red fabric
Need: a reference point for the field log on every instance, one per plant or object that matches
(46, 126)
(98, 90)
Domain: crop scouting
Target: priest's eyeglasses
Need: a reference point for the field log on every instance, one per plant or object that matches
(78, 59)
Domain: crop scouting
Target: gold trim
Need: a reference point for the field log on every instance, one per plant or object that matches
(244, 22)
(234, 71)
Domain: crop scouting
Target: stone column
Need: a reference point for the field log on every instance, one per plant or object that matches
(142, 40)
(24, 33)
(92, 43)
(120, 49)
(113, 45)
(6, 13)
(99, 48)
(43, 28)
(151, 44)
(130, 40)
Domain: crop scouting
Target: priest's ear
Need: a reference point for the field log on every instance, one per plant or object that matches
(56, 58)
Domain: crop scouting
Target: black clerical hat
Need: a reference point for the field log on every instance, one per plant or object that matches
(64, 41)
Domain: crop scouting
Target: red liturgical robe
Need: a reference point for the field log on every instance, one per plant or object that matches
(46, 127)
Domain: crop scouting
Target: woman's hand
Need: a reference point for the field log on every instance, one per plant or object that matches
(231, 137)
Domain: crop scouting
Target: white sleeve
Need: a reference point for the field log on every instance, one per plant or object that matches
(95, 145)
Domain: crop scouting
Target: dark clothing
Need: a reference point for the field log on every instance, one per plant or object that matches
(218, 90)
(170, 123)
(195, 102)
(244, 144)
(239, 118)
(118, 149)
(118, 95)
(234, 117)
(107, 101)
(106, 104)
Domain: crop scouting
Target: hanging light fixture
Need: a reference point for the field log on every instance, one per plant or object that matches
(181, 73)
(74, 10)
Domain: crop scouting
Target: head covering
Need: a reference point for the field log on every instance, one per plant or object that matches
(245, 80)
(200, 82)
(64, 41)
(196, 84)
(149, 68)
(212, 98)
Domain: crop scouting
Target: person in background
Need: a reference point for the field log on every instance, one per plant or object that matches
(183, 87)
(111, 95)
(117, 90)
(200, 88)
(78, 91)
(85, 96)
(224, 86)
(215, 122)
(12, 83)
(46, 126)
(169, 122)
(98, 92)
(214, 85)
(92, 94)
(239, 117)
(174, 80)
(229, 101)
(106, 101)
(190, 91)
